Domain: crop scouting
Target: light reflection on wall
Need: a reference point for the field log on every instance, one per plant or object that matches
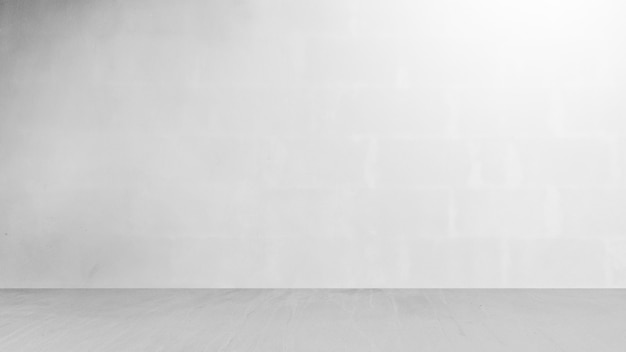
(358, 143)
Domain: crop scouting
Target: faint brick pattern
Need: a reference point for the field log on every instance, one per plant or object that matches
(58, 260)
(616, 251)
(318, 162)
(333, 60)
(595, 108)
(500, 212)
(316, 143)
(410, 163)
(206, 160)
(220, 262)
(511, 109)
(565, 162)
(203, 211)
(468, 61)
(402, 213)
(382, 261)
(267, 109)
(312, 262)
(303, 213)
(492, 158)
(594, 212)
(384, 112)
(453, 263)
(557, 263)
(378, 261)
(315, 17)
(620, 162)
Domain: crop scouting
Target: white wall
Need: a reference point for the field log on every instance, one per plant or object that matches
(313, 143)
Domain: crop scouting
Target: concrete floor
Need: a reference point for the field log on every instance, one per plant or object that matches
(313, 320)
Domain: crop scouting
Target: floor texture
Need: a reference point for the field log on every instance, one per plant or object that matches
(313, 320)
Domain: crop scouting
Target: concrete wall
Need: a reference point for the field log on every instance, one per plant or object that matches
(312, 143)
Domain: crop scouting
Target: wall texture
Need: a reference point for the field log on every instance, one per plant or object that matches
(313, 143)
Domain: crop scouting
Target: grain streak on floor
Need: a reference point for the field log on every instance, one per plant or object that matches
(313, 320)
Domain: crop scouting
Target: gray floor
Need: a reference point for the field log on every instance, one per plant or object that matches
(313, 320)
